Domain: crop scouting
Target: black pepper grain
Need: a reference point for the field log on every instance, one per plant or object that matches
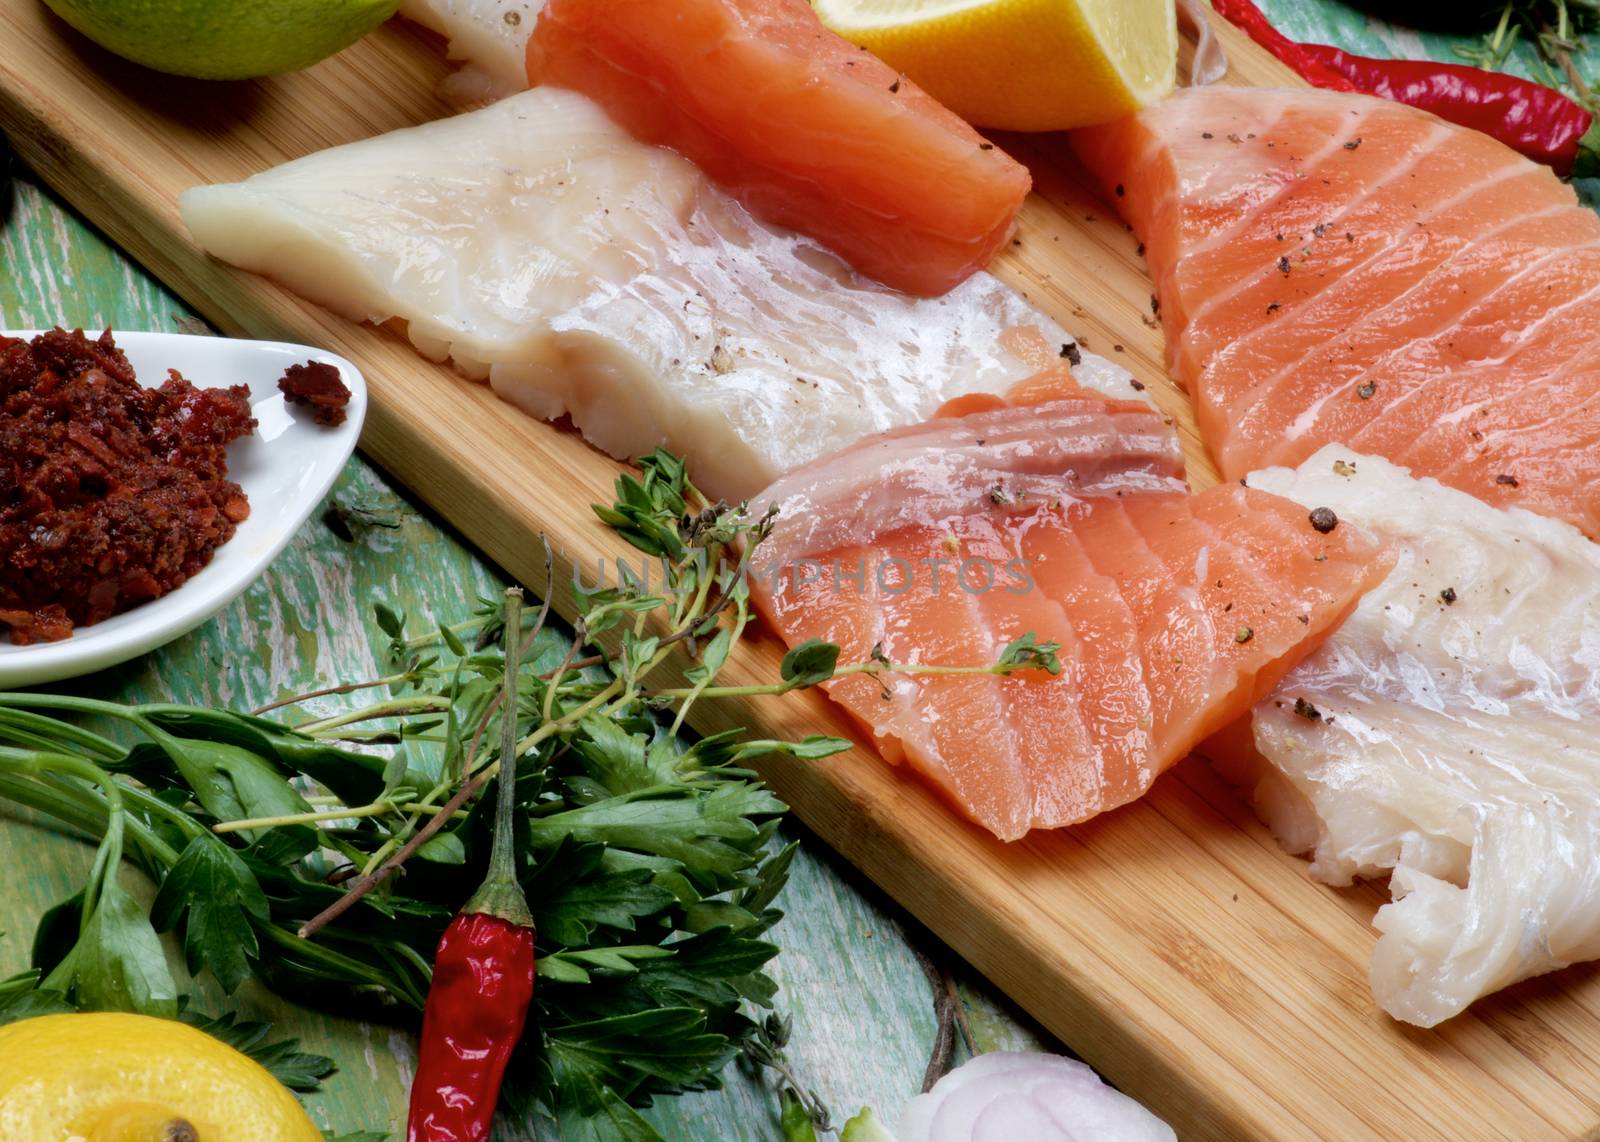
(1307, 711)
(1324, 520)
(1447, 596)
(1072, 355)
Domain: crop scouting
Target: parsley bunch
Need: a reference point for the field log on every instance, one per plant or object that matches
(648, 862)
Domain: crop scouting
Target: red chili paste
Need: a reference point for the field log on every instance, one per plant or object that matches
(317, 385)
(111, 494)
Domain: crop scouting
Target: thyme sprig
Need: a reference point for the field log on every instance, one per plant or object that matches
(1556, 28)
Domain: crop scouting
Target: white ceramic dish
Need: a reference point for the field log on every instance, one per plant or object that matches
(285, 468)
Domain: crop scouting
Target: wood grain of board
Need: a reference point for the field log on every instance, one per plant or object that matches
(1171, 943)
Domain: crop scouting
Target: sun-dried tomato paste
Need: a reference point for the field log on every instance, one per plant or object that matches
(111, 494)
(318, 386)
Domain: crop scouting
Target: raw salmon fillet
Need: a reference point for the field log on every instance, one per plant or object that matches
(1334, 268)
(941, 543)
(807, 130)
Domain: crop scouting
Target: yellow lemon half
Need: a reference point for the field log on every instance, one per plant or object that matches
(131, 1078)
(1022, 65)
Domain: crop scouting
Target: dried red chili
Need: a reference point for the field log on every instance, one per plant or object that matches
(483, 972)
(477, 1007)
(1538, 121)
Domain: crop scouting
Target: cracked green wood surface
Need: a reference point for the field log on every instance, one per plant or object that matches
(863, 1017)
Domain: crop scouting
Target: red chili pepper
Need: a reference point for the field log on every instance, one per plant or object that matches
(482, 987)
(483, 972)
(1536, 120)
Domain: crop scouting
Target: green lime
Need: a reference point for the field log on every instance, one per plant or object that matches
(224, 39)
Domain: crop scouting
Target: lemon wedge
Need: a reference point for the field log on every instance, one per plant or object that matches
(1022, 65)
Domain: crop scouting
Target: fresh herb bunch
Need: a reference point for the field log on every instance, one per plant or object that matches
(1556, 28)
(648, 862)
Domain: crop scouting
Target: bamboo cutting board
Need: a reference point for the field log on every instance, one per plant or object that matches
(1170, 943)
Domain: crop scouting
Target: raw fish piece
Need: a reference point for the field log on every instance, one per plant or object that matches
(941, 543)
(1338, 269)
(584, 273)
(807, 130)
(1447, 732)
(491, 36)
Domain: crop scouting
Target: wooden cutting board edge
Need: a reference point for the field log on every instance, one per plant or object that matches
(1211, 1071)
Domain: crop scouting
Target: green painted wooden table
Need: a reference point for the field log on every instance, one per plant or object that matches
(849, 971)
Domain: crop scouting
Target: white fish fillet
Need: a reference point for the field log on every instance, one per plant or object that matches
(537, 244)
(491, 36)
(1453, 742)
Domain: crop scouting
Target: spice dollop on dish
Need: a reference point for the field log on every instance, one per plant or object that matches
(111, 494)
(317, 386)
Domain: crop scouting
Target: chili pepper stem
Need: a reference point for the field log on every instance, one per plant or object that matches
(501, 895)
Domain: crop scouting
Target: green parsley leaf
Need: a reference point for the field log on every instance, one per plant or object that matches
(612, 1121)
(574, 966)
(235, 784)
(22, 998)
(572, 896)
(669, 1044)
(706, 915)
(706, 834)
(213, 893)
(356, 777)
(773, 876)
(117, 963)
(711, 970)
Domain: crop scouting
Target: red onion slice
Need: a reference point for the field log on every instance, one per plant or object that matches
(1016, 1096)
